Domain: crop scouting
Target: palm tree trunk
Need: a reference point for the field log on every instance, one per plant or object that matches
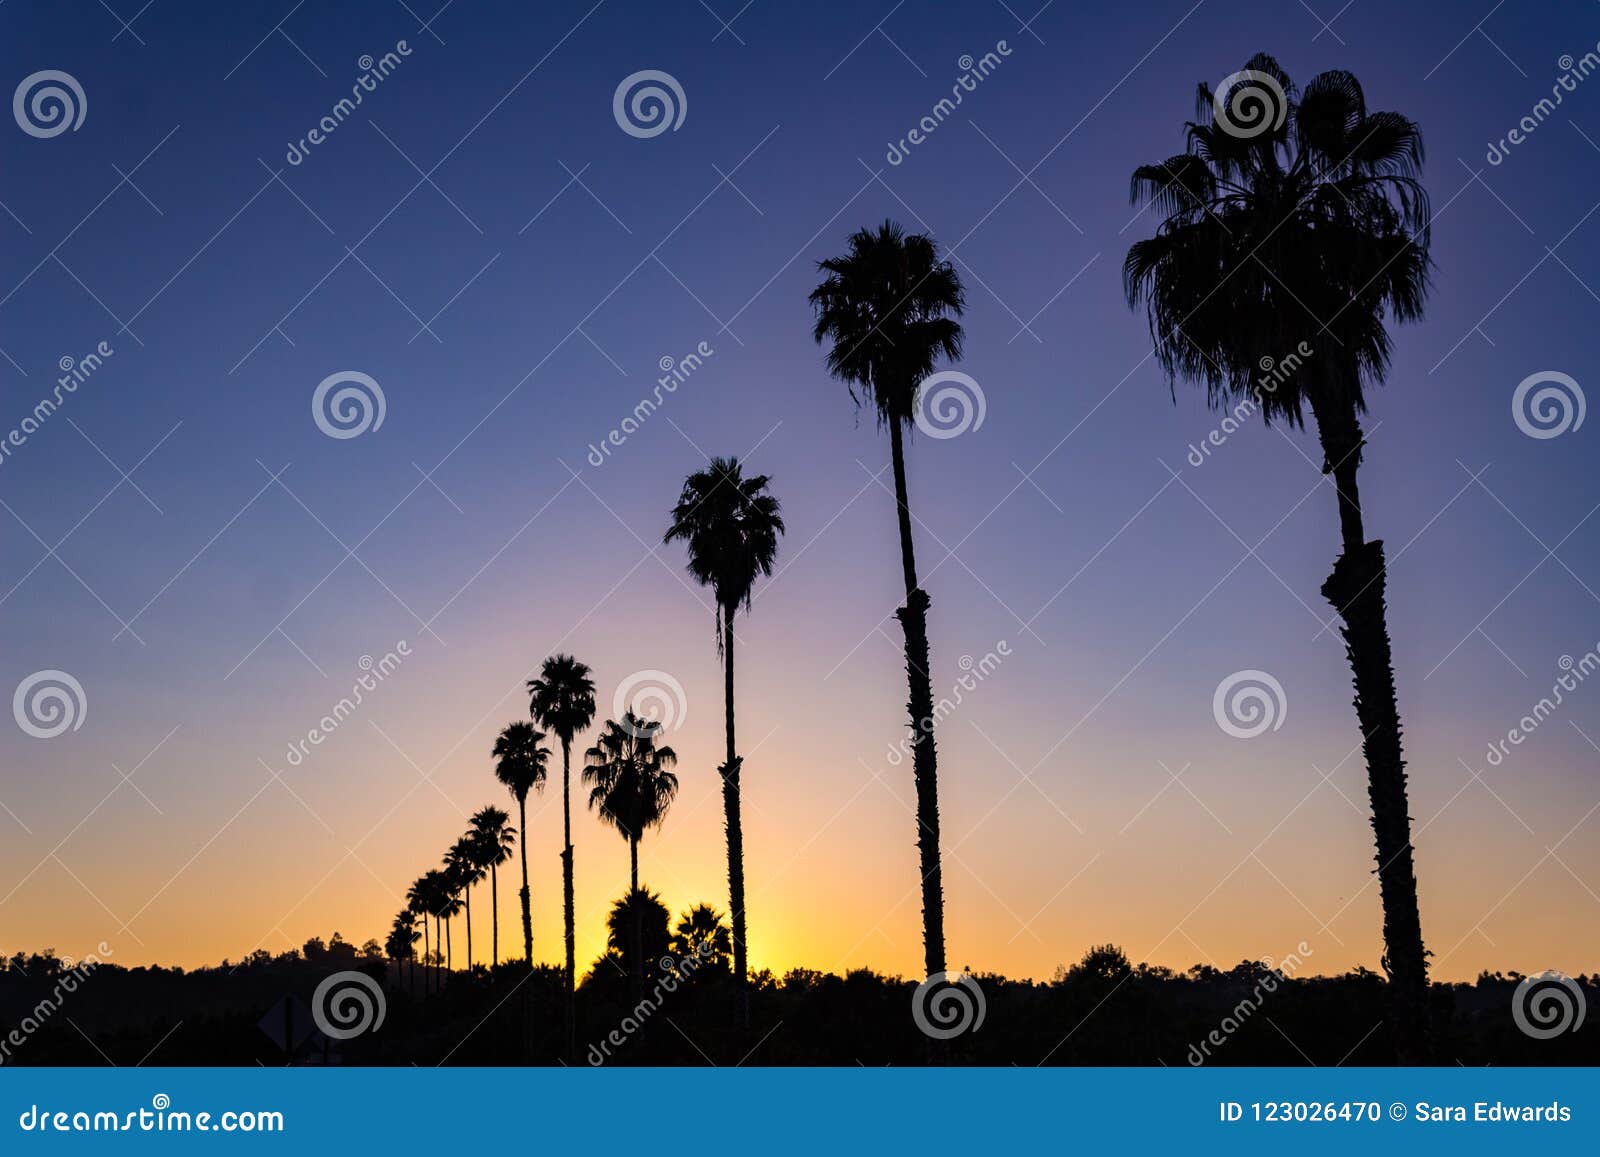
(566, 896)
(438, 939)
(527, 904)
(730, 807)
(426, 966)
(466, 894)
(914, 621)
(449, 962)
(1356, 591)
(638, 921)
(494, 909)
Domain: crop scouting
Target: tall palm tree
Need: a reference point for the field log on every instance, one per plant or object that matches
(462, 862)
(493, 839)
(731, 525)
(448, 901)
(521, 761)
(889, 308)
(1314, 230)
(631, 786)
(419, 901)
(436, 893)
(561, 699)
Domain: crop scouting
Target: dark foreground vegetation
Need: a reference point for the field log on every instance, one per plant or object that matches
(1098, 1012)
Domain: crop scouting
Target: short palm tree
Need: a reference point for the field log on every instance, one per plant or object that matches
(1312, 229)
(561, 699)
(631, 785)
(520, 763)
(402, 941)
(731, 525)
(889, 307)
(493, 840)
(702, 935)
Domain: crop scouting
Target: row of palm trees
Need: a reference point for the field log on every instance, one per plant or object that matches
(1311, 228)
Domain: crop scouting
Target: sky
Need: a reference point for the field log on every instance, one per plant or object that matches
(484, 240)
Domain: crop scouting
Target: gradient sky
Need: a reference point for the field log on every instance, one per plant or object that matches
(1123, 594)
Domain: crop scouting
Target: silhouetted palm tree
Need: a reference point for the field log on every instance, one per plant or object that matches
(520, 764)
(436, 892)
(493, 839)
(889, 307)
(419, 900)
(1314, 230)
(562, 700)
(639, 918)
(731, 525)
(701, 934)
(630, 787)
(401, 943)
(449, 906)
(462, 863)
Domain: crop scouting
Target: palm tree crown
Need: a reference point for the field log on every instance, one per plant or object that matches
(889, 306)
(1314, 229)
(629, 777)
(521, 759)
(731, 525)
(562, 697)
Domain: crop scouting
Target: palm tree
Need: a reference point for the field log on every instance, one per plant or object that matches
(630, 787)
(561, 699)
(493, 838)
(520, 764)
(401, 942)
(436, 895)
(889, 307)
(702, 935)
(419, 901)
(731, 525)
(462, 863)
(1308, 237)
(448, 899)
